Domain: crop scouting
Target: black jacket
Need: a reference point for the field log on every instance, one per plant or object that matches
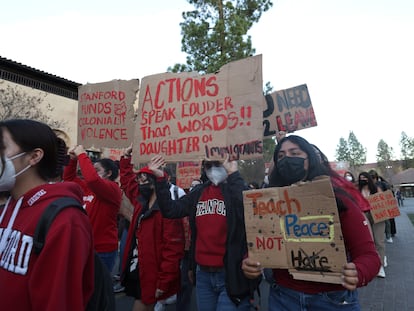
(237, 285)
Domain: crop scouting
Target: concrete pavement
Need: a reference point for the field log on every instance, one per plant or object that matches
(393, 293)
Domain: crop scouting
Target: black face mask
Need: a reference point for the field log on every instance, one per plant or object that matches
(291, 169)
(363, 182)
(145, 191)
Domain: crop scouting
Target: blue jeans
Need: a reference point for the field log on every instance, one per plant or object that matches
(285, 299)
(212, 294)
(108, 259)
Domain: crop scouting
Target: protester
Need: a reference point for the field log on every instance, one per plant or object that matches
(295, 160)
(218, 237)
(182, 299)
(102, 200)
(390, 227)
(350, 177)
(155, 245)
(61, 276)
(367, 187)
(399, 197)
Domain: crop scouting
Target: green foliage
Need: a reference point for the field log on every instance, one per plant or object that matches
(215, 33)
(17, 104)
(407, 151)
(351, 151)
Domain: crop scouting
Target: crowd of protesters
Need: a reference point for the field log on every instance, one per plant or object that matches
(170, 239)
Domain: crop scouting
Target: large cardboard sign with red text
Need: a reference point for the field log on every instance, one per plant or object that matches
(383, 206)
(187, 172)
(296, 228)
(106, 114)
(190, 117)
(288, 110)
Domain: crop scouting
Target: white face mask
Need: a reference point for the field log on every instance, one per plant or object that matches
(349, 178)
(8, 179)
(216, 174)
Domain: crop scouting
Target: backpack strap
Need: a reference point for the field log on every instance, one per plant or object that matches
(47, 218)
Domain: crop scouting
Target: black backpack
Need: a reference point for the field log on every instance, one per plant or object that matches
(103, 298)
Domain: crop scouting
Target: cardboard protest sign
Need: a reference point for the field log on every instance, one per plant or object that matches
(106, 114)
(186, 173)
(296, 228)
(190, 117)
(383, 206)
(288, 110)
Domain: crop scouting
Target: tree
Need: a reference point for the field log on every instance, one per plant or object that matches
(407, 151)
(18, 104)
(215, 33)
(342, 151)
(357, 153)
(384, 158)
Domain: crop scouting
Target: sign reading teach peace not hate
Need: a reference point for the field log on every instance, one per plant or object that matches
(296, 228)
(106, 114)
(190, 117)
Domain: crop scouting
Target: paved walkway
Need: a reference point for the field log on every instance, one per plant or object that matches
(396, 290)
(393, 293)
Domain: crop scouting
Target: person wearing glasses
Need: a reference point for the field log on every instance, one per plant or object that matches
(218, 237)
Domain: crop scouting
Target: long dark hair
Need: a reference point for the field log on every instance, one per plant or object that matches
(371, 184)
(316, 165)
(29, 135)
(109, 165)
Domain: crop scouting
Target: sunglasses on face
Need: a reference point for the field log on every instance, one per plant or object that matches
(210, 164)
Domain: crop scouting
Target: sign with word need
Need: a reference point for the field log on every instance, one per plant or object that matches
(288, 110)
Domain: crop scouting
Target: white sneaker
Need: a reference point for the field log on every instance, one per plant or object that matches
(385, 262)
(381, 272)
(389, 240)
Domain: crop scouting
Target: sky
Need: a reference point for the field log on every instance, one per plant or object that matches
(356, 56)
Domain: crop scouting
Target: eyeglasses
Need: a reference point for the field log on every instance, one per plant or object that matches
(210, 164)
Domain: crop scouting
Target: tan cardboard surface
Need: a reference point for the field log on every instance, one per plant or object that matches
(106, 114)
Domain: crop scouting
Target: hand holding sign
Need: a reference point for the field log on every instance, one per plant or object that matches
(252, 269)
(350, 276)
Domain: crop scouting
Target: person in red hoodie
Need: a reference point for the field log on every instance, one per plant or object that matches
(155, 245)
(102, 199)
(61, 276)
(296, 160)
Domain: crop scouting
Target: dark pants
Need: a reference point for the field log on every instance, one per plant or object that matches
(185, 293)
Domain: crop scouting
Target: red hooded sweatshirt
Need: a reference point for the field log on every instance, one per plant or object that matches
(102, 200)
(61, 277)
(160, 243)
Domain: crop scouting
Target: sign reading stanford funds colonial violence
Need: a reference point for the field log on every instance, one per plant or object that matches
(190, 117)
(288, 110)
(106, 114)
(296, 228)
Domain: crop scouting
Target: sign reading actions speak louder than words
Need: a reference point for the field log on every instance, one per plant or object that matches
(190, 117)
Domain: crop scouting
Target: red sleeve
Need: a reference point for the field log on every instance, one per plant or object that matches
(68, 260)
(358, 242)
(172, 252)
(104, 189)
(128, 180)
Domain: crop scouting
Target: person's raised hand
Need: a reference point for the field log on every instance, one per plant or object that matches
(155, 165)
(230, 165)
